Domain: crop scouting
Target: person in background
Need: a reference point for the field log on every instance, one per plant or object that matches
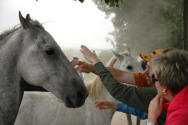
(138, 79)
(169, 72)
(122, 107)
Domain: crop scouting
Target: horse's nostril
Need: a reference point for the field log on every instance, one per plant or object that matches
(82, 94)
(69, 102)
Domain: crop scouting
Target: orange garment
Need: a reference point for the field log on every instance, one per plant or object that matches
(148, 57)
(141, 80)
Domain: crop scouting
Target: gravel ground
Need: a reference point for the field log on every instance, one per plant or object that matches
(121, 119)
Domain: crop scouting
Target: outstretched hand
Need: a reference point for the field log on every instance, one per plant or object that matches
(104, 104)
(90, 56)
(83, 66)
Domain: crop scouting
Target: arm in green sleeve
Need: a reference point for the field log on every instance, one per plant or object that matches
(138, 98)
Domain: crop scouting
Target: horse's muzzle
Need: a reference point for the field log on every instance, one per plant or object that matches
(76, 99)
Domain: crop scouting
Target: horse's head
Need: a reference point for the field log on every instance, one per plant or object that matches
(126, 62)
(42, 63)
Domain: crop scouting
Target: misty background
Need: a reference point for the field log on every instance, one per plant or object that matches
(70, 23)
(141, 25)
(146, 25)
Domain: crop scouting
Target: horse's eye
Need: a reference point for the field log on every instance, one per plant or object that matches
(50, 51)
(129, 67)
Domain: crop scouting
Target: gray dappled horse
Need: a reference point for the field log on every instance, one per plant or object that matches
(30, 53)
(39, 108)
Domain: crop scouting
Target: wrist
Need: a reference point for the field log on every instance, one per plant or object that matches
(92, 69)
(152, 119)
(114, 105)
(95, 61)
(150, 123)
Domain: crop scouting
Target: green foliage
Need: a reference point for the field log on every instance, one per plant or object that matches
(173, 12)
(81, 1)
(111, 3)
(146, 25)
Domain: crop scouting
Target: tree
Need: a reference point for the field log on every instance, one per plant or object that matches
(185, 18)
(145, 25)
(111, 3)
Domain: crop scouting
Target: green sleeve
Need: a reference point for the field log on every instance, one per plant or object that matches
(138, 98)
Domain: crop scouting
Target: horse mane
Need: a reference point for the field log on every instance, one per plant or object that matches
(6, 33)
(96, 87)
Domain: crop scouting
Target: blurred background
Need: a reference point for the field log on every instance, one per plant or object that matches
(141, 25)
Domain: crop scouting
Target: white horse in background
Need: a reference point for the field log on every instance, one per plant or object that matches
(43, 108)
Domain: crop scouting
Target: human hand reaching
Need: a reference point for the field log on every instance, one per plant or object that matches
(83, 66)
(104, 104)
(90, 56)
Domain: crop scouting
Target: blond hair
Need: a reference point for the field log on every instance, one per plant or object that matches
(171, 69)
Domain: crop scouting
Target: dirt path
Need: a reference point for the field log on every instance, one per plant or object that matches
(121, 119)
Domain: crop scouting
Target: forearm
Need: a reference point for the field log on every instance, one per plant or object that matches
(122, 76)
(129, 110)
(152, 118)
(138, 98)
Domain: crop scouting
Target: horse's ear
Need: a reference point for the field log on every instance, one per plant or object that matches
(117, 55)
(28, 18)
(24, 22)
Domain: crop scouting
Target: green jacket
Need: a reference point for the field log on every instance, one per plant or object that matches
(138, 98)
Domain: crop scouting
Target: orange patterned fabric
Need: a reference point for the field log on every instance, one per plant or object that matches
(141, 80)
(148, 57)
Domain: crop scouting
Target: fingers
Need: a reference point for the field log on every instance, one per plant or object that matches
(155, 108)
(161, 101)
(90, 56)
(75, 62)
(104, 104)
(85, 50)
(101, 104)
(158, 99)
(83, 47)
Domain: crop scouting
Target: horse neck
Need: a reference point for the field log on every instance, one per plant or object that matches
(97, 91)
(9, 55)
(138, 67)
(9, 85)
